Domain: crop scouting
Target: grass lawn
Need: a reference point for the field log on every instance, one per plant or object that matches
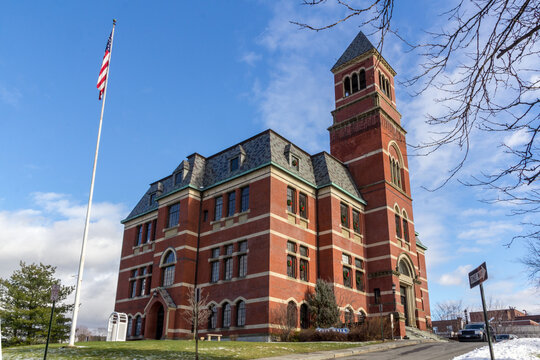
(171, 349)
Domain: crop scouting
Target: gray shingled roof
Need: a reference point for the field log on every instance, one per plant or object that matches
(359, 46)
(266, 148)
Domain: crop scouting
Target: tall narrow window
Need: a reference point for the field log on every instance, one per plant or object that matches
(302, 202)
(377, 295)
(405, 229)
(226, 321)
(242, 259)
(149, 231)
(304, 316)
(212, 319)
(138, 325)
(168, 269)
(356, 221)
(130, 327)
(344, 215)
(218, 209)
(347, 276)
(398, 226)
(232, 204)
(133, 285)
(359, 280)
(214, 269)
(304, 270)
(291, 314)
(228, 268)
(362, 79)
(240, 313)
(138, 239)
(354, 83)
(244, 202)
(291, 266)
(347, 86)
(291, 200)
(174, 215)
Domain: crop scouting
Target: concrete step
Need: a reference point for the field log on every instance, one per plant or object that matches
(417, 334)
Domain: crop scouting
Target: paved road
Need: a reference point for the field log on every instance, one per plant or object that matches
(429, 351)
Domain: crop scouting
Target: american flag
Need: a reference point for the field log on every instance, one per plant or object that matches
(102, 79)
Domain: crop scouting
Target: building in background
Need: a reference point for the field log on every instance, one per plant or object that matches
(256, 224)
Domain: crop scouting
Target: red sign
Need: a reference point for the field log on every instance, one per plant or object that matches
(478, 275)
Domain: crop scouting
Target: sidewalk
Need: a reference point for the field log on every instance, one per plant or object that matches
(335, 354)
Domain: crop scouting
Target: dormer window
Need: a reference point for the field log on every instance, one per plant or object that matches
(234, 163)
(152, 199)
(177, 178)
(295, 162)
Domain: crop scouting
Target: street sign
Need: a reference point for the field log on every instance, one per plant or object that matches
(478, 275)
(54, 292)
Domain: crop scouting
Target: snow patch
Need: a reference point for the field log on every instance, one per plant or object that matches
(519, 349)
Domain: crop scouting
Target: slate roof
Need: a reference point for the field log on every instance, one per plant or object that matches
(264, 149)
(359, 46)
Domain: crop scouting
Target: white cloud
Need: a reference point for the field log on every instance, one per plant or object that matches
(456, 277)
(250, 58)
(51, 232)
(517, 138)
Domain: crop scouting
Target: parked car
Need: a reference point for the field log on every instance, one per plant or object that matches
(475, 332)
(502, 337)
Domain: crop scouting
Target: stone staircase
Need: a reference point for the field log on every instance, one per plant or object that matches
(417, 334)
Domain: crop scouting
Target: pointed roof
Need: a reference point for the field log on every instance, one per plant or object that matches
(359, 46)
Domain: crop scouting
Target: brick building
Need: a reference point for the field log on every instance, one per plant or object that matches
(256, 224)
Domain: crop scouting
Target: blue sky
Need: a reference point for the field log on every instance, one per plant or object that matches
(198, 77)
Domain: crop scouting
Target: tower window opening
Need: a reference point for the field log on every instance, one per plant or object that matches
(362, 77)
(354, 83)
(347, 86)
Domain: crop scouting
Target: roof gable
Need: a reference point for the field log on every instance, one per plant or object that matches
(358, 46)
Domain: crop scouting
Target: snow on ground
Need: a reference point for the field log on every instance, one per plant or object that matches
(518, 349)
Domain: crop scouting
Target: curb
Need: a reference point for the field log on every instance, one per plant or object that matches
(336, 354)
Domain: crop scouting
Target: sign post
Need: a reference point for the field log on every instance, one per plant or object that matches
(477, 277)
(54, 296)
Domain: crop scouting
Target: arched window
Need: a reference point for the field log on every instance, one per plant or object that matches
(405, 227)
(212, 319)
(404, 268)
(226, 316)
(396, 166)
(398, 223)
(354, 83)
(304, 316)
(349, 316)
(362, 317)
(130, 327)
(362, 79)
(291, 314)
(138, 325)
(168, 266)
(240, 313)
(388, 93)
(347, 86)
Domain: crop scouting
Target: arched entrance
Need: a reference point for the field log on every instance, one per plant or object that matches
(406, 290)
(160, 316)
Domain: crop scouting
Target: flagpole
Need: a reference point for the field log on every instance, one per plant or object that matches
(86, 224)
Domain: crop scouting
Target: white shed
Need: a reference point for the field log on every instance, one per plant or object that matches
(117, 328)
